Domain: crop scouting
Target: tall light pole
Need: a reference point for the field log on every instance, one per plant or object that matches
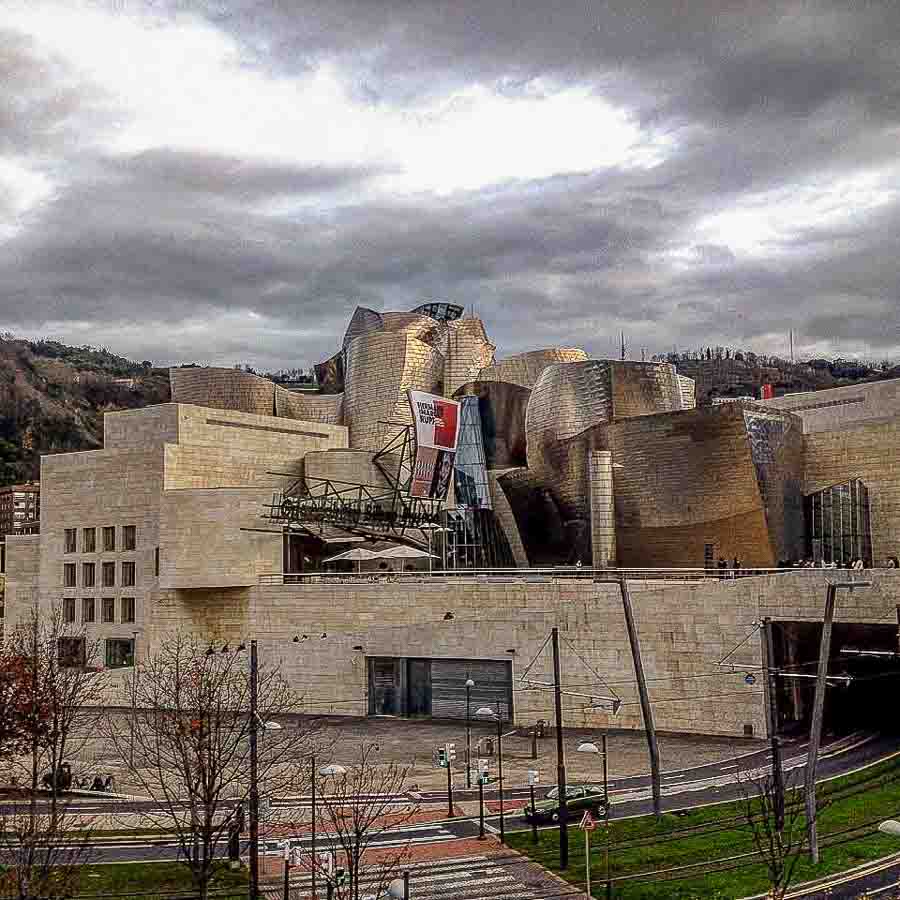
(312, 834)
(254, 773)
(488, 713)
(591, 747)
(333, 770)
(560, 756)
(469, 685)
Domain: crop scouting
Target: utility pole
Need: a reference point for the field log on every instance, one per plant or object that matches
(815, 735)
(254, 774)
(312, 830)
(646, 709)
(560, 757)
(768, 655)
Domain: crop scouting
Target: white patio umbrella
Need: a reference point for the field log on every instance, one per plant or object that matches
(401, 551)
(357, 553)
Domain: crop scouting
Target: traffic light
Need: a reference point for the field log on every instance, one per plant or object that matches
(442, 757)
(340, 876)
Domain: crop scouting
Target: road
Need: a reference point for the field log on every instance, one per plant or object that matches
(630, 796)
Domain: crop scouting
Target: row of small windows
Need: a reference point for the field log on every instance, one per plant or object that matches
(107, 610)
(119, 652)
(107, 536)
(89, 574)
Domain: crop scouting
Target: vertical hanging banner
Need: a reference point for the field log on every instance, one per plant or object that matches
(437, 430)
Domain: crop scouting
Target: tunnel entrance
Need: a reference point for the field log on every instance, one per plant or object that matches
(865, 654)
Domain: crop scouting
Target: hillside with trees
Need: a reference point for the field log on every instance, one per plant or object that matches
(728, 372)
(53, 397)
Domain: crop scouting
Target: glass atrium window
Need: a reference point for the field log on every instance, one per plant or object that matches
(838, 524)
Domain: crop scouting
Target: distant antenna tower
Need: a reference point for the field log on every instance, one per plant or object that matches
(792, 345)
(623, 344)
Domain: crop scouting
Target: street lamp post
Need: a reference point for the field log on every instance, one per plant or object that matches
(134, 675)
(590, 747)
(332, 770)
(469, 685)
(488, 713)
(312, 828)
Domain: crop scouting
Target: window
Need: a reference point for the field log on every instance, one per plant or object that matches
(88, 574)
(129, 537)
(109, 610)
(127, 574)
(109, 574)
(119, 652)
(70, 651)
(128, 609)
(70, 540)
(88, 540)
(69, 574)
(88, 613)
(109, 538)
(69, 610)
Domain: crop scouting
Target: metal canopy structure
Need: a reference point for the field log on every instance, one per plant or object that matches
(364, 509)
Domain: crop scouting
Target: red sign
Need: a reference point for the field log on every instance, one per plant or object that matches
(587, 822)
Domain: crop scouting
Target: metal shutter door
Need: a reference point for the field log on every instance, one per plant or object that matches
(493, 687)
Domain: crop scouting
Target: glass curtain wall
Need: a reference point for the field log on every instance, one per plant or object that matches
(838, 524)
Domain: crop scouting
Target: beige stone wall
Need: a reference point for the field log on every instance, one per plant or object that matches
(685, 629)
(97, 489)
(140, 429)
(216, 538)
(23, 560)
(870, 452)
(843, 407)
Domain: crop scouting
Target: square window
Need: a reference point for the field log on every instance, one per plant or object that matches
(88, 612)
(88, 540)
(109, 538)
(128, 574)
(88, 574)
(128, 609)
(109, 574)
(70, 651)
(69, 610)
(69, 574)
(129, 537)
(70, 540)
(109, 610)
(119, 652)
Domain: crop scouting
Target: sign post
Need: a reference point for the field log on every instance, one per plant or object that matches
(587, 826)
(533, 778)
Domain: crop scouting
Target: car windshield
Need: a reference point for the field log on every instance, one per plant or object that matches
(570, 793)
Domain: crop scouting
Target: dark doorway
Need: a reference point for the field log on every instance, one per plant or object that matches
(418, 687)
(384, 687)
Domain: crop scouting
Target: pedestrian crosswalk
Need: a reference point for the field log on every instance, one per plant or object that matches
(466, 878)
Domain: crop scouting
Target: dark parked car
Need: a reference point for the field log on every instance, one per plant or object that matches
(579, 797)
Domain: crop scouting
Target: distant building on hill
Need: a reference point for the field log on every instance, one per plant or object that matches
(20, 509)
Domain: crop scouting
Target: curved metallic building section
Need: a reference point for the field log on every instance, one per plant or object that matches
(363, 321)
(524, 369)
(381, 367)
(691, 484)
(467, 351)
(327, 409)
(502, 409)
(223, 389)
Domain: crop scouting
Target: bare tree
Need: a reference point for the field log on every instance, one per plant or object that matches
(777, 824)
(187, 745)
(355, 809)
(42, 842)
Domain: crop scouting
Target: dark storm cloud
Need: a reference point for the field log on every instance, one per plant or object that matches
(756, 99)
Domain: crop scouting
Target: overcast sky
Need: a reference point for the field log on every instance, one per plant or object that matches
(223, 182)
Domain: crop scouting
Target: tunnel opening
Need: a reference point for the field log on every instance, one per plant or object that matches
(863, 670)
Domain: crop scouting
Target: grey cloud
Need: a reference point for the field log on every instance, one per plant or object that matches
(754, 100)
